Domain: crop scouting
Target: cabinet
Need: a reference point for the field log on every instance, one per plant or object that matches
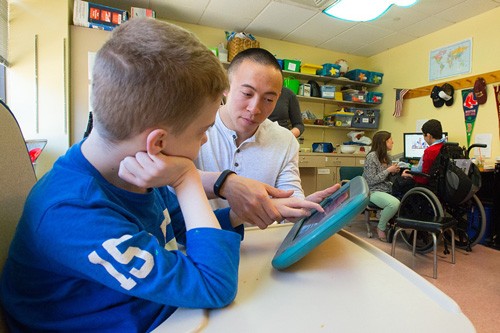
(319, 171)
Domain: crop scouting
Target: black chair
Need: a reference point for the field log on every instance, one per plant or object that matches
(436, 226)
(346, 173)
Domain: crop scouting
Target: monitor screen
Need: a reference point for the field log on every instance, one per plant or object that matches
(414, 145)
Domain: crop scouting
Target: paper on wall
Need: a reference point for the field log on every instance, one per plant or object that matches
(486, 139)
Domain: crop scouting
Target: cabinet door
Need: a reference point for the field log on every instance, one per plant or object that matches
(308, 180)
(326, 177)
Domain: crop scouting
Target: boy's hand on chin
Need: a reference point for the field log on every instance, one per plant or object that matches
(146, 170)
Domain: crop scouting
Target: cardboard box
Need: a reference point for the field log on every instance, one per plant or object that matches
(142, 12)
(91, 15)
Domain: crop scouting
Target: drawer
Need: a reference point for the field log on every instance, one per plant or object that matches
(340, 161)
(360, 161)
(309, 161)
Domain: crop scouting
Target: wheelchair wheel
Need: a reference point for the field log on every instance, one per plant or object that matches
(471, 223)
(420, 202)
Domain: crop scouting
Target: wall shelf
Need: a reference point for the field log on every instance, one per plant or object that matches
(458, 84)
(340, 128)
(334, 101)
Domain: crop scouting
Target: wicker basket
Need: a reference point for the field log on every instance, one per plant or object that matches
(236, 45)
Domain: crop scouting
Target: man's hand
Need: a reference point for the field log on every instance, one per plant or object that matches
(321, 195)
(293, 209)
(146, 170)
(250, 200)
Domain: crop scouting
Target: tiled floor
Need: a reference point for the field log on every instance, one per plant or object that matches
(473, 282)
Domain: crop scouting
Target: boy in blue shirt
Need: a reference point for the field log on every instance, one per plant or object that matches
(93, 252)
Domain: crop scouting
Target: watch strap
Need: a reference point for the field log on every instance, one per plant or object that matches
(220, 181)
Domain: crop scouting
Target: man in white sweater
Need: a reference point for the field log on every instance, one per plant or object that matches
(244, 141)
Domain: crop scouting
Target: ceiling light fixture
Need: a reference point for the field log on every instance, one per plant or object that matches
(363, 10)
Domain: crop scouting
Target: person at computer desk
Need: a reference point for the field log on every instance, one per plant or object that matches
(287, 112)
(379, 171)
(433, 136)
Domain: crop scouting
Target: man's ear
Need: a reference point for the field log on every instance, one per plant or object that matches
(156, 141)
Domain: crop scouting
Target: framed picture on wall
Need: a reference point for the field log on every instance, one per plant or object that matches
(450, 60)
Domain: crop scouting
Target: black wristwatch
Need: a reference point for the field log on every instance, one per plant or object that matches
(220, 181)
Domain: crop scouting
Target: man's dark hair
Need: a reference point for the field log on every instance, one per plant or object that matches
(433, 127)
(258, 55)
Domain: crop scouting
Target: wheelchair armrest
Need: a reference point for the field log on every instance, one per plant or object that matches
(421, 174)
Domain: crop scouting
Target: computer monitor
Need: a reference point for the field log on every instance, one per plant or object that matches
(414, 145)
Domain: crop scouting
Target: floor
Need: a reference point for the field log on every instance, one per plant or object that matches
(473, 281)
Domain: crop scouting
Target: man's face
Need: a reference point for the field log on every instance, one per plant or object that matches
(254, 91)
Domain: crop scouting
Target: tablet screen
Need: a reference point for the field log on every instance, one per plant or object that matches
(340, 208)
(329, 206)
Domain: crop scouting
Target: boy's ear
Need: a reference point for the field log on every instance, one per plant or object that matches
(156, 141)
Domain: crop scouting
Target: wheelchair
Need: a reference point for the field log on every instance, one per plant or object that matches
(427, 202)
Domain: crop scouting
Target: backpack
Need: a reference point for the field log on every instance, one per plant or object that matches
(457, 186)
(460, 178)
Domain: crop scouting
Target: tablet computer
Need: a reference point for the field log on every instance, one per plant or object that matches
(340, 208)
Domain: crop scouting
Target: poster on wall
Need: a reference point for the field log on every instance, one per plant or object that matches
(471, 108)
(450, 60)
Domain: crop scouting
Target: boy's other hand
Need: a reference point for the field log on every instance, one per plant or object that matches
(146, 171)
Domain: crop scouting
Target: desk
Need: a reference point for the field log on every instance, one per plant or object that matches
(344, 285)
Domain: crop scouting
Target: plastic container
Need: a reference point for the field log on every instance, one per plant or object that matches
(327, 91)
(374, 97)
(305, 90)
(292, 84)
(291, 65)
(375, 77)
(359, 96)
(342, 119)
(332, 70)
(309, 68)
(360, 75)
(365, 118)
(322, 147)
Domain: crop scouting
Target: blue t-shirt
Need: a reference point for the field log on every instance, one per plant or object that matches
(88, 256)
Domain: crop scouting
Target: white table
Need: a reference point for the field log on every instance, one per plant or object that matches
(344, 285)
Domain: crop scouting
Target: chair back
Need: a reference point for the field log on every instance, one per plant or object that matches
(17, 177)
(349, 172)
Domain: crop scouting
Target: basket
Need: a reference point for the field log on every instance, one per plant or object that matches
(237, 44)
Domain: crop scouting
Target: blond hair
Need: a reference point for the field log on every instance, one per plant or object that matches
(152, 74)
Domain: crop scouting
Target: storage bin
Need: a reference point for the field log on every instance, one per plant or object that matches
(365, 118)
(292, 84)
(291, 65)
(359, 96)
(322, 147)
(374, 97)
(309, 68)
(360, 75)
(305, 90)
(342, 119)
(332, 70)
(328, 91)
(375, 77)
